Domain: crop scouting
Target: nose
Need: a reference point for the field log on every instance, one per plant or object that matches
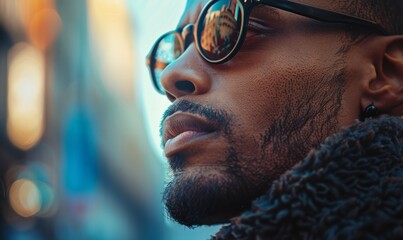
(188, 75)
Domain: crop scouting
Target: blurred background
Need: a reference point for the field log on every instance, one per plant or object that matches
(79, 145)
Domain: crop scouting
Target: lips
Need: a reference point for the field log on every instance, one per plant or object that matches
(182, 129)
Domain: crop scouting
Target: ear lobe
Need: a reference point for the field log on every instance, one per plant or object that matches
(386, 90)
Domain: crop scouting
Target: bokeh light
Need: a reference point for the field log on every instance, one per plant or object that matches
(25, 198)
(26, 89)
(44, 28)
(112, 38)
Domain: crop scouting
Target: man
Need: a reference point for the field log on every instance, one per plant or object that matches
(256, 87)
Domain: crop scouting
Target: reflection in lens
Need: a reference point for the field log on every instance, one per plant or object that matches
(220, 29)
(169, 49)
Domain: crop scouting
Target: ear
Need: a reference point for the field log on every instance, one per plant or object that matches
(385, 88)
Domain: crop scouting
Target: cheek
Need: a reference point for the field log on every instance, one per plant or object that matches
(259, 95)
(276, 78)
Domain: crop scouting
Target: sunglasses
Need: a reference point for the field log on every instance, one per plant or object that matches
(221, 29)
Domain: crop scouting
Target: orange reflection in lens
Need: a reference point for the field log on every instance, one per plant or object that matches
(220, 32)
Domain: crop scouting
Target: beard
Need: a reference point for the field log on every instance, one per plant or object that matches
(213, 194)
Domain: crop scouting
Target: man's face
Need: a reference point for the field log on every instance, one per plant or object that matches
(235, 127)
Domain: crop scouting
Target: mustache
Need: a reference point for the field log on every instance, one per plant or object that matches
(208, 112)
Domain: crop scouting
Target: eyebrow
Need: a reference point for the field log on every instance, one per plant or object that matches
(266, 10)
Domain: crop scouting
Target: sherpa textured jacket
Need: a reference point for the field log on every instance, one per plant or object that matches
(349, 188)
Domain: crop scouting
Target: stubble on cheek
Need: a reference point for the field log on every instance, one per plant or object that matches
(310, 115)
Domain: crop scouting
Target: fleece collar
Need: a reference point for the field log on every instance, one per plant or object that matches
(349, 188)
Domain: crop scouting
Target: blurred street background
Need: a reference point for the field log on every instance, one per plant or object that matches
(79, 145)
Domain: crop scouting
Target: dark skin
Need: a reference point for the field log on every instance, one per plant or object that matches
(279, 97)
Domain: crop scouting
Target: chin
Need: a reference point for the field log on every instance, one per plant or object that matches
(207, 195)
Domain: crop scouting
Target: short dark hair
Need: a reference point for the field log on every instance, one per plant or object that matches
(388, 13)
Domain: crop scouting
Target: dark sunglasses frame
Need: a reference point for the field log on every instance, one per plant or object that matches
(247, 6)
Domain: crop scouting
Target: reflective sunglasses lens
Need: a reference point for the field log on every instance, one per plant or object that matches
(169, 48)
(219, 29)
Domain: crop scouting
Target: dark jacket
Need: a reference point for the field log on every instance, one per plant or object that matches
(351, 187)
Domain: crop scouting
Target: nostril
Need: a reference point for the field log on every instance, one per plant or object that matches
(185, 86)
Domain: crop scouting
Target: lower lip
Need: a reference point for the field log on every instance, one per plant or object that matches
(177, 143)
